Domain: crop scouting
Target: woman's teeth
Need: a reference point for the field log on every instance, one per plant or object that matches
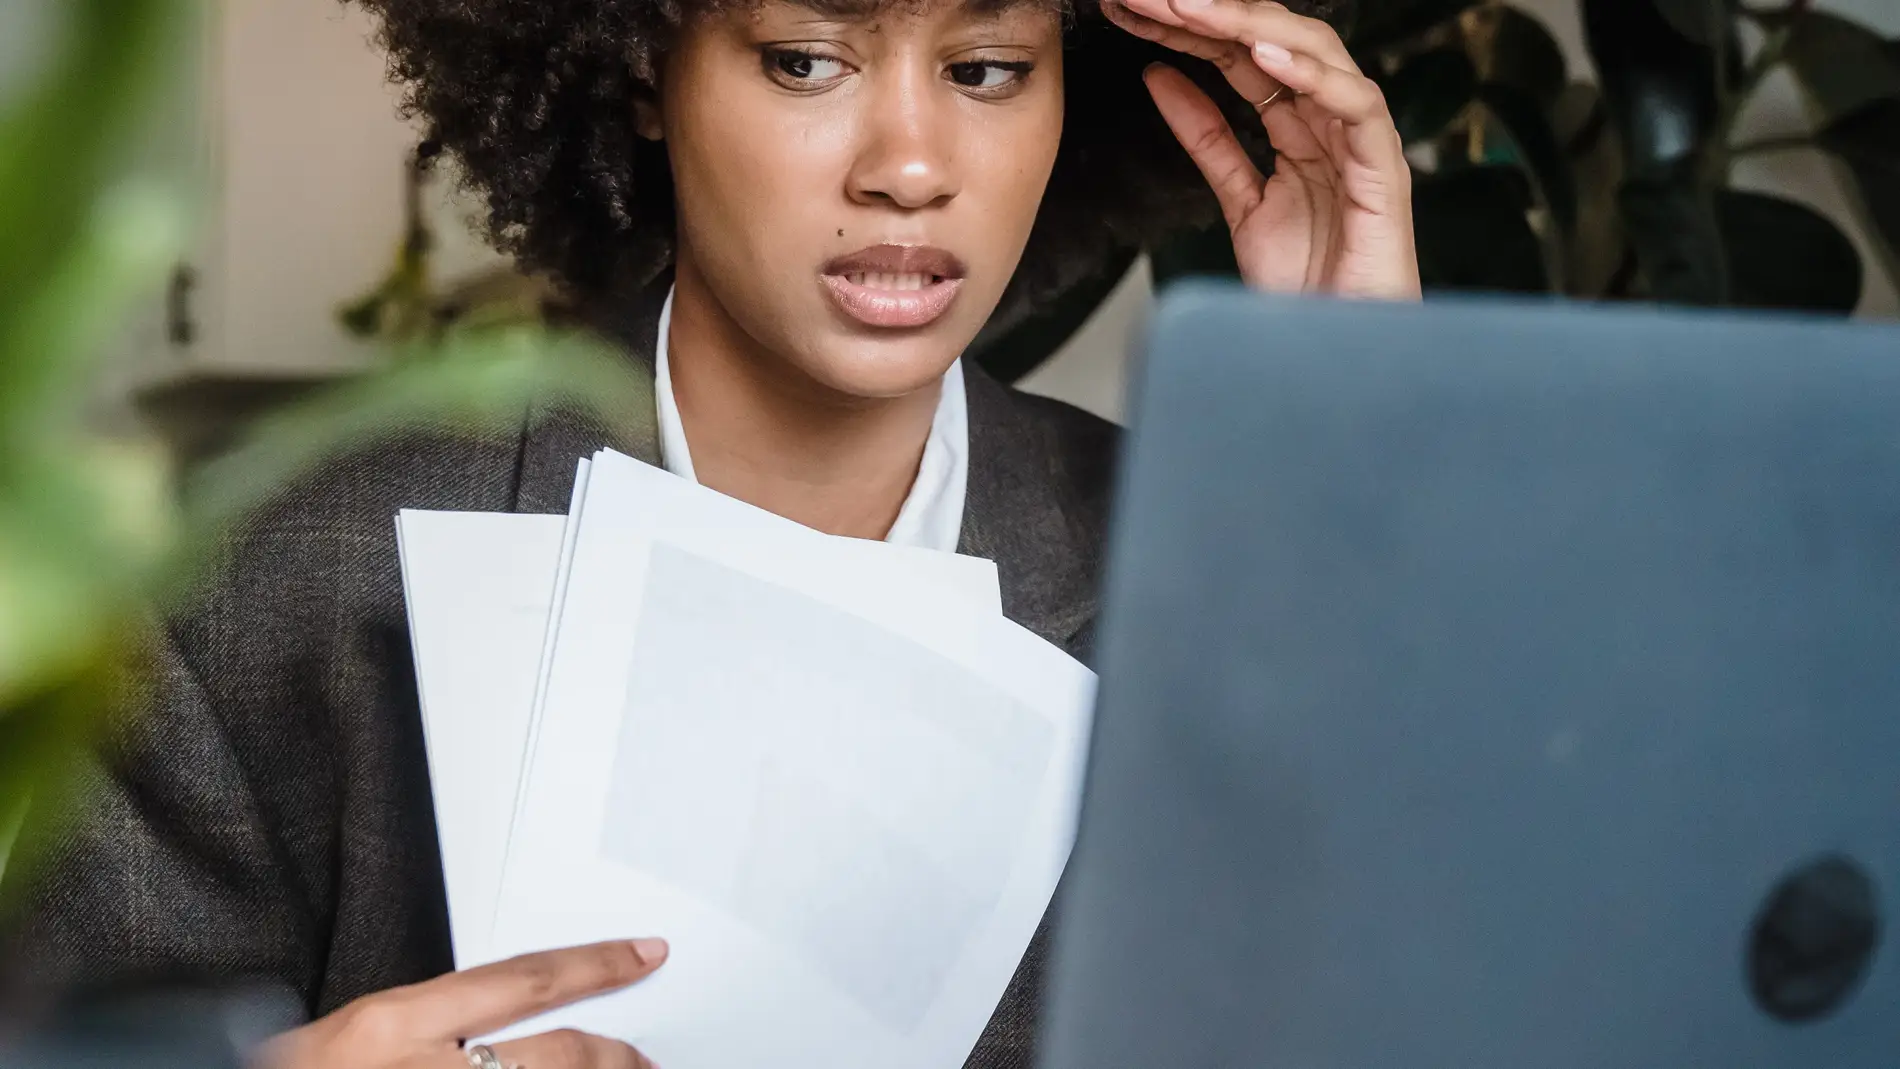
(886, 280)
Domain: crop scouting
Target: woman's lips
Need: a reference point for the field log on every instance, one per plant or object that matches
(894, 286)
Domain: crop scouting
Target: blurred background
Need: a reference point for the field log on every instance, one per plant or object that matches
(291, 127)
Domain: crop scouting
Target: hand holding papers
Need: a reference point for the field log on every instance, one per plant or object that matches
(827, 770)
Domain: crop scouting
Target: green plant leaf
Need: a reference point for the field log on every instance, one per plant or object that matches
(1012, 355)
(1868, 142)
(1473, 234)
(82, 533)
(1703, 21)
(1526, 124)
(1386, 22)
(1871, 136)
(1578, 118)
(1517, 49)
(79, 236)
(475, 382)
(14, 804)
(1674, 231)
(89, 534)
(43, 739)
(1786, 255)
(1660, 89)
(57, 138)
(1595, 251)
(50, 343)
(1661, 93)
(1429, 91)
(1843, 65)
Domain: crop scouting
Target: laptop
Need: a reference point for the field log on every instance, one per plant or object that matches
(1495, 686)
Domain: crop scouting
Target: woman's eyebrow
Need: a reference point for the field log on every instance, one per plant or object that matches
(864, 9)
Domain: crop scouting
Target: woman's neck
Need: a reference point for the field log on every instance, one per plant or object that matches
(764, 432)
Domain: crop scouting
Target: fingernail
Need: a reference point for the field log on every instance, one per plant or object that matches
(1270, 54)
(649, 951)
(1193, 5)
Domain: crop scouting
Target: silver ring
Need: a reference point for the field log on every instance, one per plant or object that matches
(482, 1056)
(1271, 97)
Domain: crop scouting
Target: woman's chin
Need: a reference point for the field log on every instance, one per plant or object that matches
(873, 368)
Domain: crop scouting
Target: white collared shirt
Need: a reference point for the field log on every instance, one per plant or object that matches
(932, 516)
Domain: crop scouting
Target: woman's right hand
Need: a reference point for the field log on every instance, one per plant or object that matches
(422, 1026)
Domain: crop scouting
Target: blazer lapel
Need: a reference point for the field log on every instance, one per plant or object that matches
(1017, 513)
(556, 438)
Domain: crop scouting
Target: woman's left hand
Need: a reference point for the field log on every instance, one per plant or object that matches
(1336, 217)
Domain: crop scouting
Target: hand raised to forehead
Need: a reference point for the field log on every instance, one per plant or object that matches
(1336, 216)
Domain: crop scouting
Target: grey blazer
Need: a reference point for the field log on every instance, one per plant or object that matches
(271, 819)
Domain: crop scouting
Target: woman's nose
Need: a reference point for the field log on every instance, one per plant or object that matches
(908, 153)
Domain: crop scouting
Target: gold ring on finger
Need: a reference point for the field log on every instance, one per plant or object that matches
(1271, 97)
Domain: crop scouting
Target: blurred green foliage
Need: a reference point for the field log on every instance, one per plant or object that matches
(96, 535)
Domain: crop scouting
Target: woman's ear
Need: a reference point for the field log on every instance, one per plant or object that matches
(646, 117)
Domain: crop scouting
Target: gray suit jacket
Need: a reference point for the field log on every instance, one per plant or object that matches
(271, 819)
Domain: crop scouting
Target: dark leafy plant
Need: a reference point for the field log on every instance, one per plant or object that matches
(1529, 181)
(406, 305)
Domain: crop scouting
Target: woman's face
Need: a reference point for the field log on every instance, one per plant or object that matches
(855, 187)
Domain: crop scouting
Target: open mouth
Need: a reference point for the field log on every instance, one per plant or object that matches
(894, 286)
(888, 280)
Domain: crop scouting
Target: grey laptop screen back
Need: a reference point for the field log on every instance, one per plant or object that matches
(1472, 677)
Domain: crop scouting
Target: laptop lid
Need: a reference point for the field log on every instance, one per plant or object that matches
(1495, 686)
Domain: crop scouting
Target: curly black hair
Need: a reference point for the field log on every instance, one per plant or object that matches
(533, 99)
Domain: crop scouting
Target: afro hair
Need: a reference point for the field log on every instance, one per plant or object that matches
(533, 101)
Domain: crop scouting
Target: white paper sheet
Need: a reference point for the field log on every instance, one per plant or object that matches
(480, 587)
(638, 500)
(939, 599)
(848, 834)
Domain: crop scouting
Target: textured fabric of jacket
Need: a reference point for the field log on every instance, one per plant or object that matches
(270, 818)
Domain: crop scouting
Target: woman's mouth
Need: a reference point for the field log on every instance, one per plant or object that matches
(894, 286)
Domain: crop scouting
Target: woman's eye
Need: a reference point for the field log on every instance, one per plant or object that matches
(805, 67)
(987, 75)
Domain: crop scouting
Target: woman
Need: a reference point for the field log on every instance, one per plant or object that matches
(846, 192)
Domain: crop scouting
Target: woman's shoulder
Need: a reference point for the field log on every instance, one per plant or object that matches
(1039, 439)
(321, 546)
(365, 484)
(1083, 445)
(1072, 429)
(1040, 479)
(516, 465)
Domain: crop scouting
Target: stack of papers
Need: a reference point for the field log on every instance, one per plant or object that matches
(828, 771)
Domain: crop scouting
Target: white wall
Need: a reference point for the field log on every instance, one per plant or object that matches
(312, 173)
(302, 154)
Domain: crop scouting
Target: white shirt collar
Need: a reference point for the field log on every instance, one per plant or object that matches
(932, 516)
